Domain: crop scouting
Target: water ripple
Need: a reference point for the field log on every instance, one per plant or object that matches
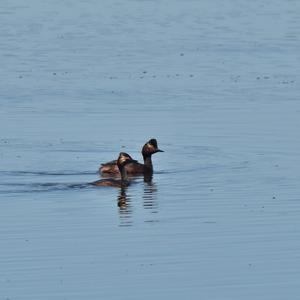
(40, 187)
(47, 173)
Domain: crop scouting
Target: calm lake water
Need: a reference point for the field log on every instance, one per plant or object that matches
(217, 83)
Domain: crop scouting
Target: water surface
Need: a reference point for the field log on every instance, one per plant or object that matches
(216, 82)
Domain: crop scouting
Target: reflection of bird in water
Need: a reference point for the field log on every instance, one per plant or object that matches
(122, 198)
(134, 167)
(122, 161)
(125, 210)
(150, 195)
(148, 178)
(149, 203)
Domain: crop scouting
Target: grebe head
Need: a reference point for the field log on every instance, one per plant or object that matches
(150, 148)
(124, 159)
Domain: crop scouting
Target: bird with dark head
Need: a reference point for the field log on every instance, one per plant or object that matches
(121, 162)
(134, 168)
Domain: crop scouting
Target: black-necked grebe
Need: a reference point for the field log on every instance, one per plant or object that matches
(121, 162)
(134, 167)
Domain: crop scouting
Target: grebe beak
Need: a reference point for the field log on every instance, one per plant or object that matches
(158, 150)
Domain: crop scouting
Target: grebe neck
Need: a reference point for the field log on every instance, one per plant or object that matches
(123, 172)
(148, 162)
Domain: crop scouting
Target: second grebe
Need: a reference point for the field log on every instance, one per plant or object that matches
(121, 162)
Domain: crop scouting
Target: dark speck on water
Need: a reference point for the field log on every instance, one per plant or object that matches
(215, 82)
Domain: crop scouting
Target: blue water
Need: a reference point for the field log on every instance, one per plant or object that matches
(216, 82)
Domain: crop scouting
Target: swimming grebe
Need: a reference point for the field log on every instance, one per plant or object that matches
(134, 168)
(122, 161)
